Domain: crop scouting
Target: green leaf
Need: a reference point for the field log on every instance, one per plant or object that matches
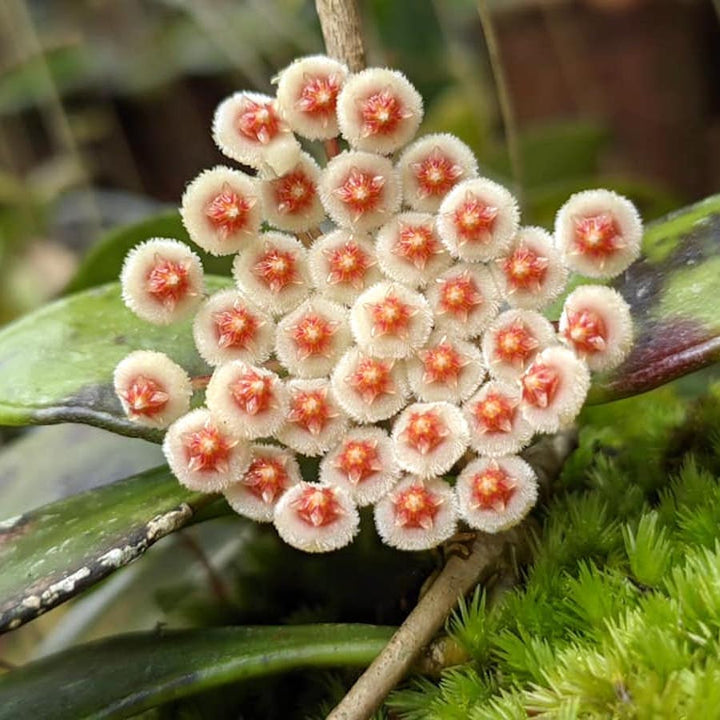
(125, 675)
(51, 554)
(104, 260)
(56, 364)
(673, 294)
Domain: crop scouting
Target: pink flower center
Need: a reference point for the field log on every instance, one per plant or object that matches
(381, 113)
(311, 410)
(313, 335)
(525, 269)
(515, 344)
(235, 328)
(228, 211)
(586, 331)
(425, 431)
(277, 269)
(253, 392)
(436, 174)
(391, 316)
(417, 244)
(494, 413)
(168, 282)
(207, 450)
(492, 489)
(318, 506)
(459, 296)
(145, 397)
(371, 378)
(294, 193)
(474, 220)
(597, 236)
(318, 96)
(540, 384)
(361, 192)
(348, 265)
(416, 507)
(442, 364)
(358, 460)
(259, 122)
(266, 478)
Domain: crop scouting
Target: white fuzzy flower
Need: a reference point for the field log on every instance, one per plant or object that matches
(417, 514)
(598, 233)
(153, 390)
(316, 517)
(248, 128)
(554, 389)
(312, 338)
(274, 272)
(390, 320)
(363, 464)
(496, 494)
(307, 95)
(497, 427)
(291, 201)
(409, 250)
(271, 472)
(228, 326)
(464, 300)
(477, 220)
(203, 454)
(597, 325)
(368, 388)
(512, 341)
(162, 281)
(431, 167)
(379, 110)
(531, 273)
(445, 369)
(343, 264)
(360, 190)
(221, 210)
(251, 401)
(429, 438)
(315, 422)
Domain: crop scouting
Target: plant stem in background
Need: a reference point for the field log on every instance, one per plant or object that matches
(340, 23)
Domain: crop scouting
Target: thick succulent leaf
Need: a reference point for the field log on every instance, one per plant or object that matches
(673, 292)
(103, 262)
(51, 554)
(125, 675)
(56, 364)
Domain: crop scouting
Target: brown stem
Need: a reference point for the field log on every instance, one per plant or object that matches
(332, 148)
(221, 593)
(200, 382)
(340, 23)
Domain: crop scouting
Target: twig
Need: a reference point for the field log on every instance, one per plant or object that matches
(219, 590)
(504, 100)
(340, 23)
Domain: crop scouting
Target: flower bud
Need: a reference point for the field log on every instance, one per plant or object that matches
(316, 517)
(162, 281)
(496, 494)
(477, 220)
(363, 464)
(221, 210)
(203, 455)
(307, 95)
(431, 167)
(271, 472)
(360, 190)
(429, 438)
(598, 233)
(379, 110)
(417, 514)
(153, 390)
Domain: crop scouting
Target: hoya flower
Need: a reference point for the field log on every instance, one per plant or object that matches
(464, 300)
(363, 464)
(554, 388)
(307, 95)
(596, 324)
(291, 201)
(417, 514)
(315, 421)
(228, 326)
(153, 390)
(343, 264)
(203, 454)
(379, 110)
(598, 233)
(431, 167)
(496, 424)
(274, 272)
(409, 250)
(477, 220)
(429, 438)
(221, 210)
(360, 190)
(369, 388)
(496, 494)
(312, 338)
(250, 400)
(445, 369)
(390, 320)
(316, 517)
(272, 471)
(248, 128)
(162, 281)
(531, 273)
(512, 341)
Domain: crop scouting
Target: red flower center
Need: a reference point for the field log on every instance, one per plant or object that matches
(443, 364)
(358, 460)
(391, 316)
(318, 96)
(416, 507)
(494, 413)
(228, 211)
(266, 478)
(235, 328)
(348, 265)
(597, 236)
(318, 506)
(277, 269)
(492, 489)
(145, 397)
(436, 174)
(416, 243)
(515, 344)
(361, 192)
(425, 431)
(459, 296)
(371, 378)
(259, 121)
(586, 332)
(540, 383)
(474, 220)
(253, 392)
(207, 450)
(525, 269)
(313, 335)
(381, 113)
(168, 282)
(311, 410)
(294, 193)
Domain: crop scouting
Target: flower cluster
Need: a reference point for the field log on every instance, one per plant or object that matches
(386, 317)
